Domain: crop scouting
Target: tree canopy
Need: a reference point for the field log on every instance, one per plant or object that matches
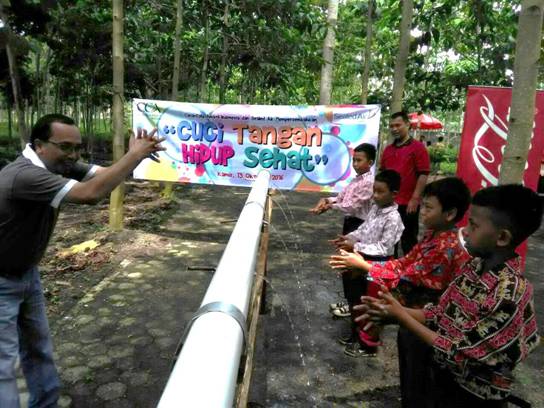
(273, 54)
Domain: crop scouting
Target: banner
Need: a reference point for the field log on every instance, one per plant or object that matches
(305, 148)
(484, 137)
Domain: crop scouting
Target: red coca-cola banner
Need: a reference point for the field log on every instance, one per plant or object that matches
(484, 137)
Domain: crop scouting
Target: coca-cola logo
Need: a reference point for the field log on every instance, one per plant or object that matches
(489, 143)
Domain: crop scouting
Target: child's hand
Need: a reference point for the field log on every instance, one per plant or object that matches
(338, 240)
(347, 260)
(372, 310)
(326, 206)
(390, 303)
(379, 309)
(345, 245)
(341, 242)
(322, 206)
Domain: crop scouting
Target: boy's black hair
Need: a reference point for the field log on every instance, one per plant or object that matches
(514, 207)
(401, 114)
(451, 192)
(389, 177)
(42, 128)
(368, 149)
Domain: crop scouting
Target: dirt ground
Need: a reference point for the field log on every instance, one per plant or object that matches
(68, 276)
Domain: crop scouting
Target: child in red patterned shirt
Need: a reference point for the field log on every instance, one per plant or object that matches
(484, 324)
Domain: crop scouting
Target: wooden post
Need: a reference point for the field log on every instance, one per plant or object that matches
(117, 196)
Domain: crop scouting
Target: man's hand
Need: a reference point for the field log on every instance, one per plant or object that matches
(145, 144)
(412, 205)
(347, 260)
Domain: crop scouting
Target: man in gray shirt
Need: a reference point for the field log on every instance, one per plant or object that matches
(32, 189)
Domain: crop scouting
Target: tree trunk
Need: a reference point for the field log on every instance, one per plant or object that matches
(160, 86)
(522, 110)
(37, 103)
(177, 47)
(45, 82)
(117, 195)
(325, 88)
(203, 72)
(168, 189)
(368, 46)
(10, 122)
(57, 97)
(399, 76)
(222, 66)
(15, 82)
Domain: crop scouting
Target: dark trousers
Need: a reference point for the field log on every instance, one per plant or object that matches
(350, 225)
(447, 393)
(415, 358)
(425, 385)
(411, 229)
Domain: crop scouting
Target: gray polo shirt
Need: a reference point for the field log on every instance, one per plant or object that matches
(30, 196)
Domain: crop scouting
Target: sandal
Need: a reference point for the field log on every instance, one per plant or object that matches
(342, 311)
(336, 305)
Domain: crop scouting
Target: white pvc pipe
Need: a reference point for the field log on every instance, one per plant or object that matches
(206, 372)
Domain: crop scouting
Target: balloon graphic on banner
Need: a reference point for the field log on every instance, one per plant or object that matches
(335, 154)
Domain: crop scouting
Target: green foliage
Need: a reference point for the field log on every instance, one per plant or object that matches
(8, 153)
(440, 152)
(448, 169)
(443, 158)
(273, 57)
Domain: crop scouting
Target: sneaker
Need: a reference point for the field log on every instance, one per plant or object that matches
(357, 350)
(342, 311)
(336, 305)
(346, 339)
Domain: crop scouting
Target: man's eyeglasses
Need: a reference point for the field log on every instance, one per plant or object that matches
(67, 147)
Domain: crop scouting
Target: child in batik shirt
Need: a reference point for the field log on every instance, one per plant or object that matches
(484, 324)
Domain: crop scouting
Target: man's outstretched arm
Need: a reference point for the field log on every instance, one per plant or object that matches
(107, 178)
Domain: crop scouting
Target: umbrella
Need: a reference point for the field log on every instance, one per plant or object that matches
(420, 120)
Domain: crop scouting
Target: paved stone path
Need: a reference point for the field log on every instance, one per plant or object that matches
(115, 347)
